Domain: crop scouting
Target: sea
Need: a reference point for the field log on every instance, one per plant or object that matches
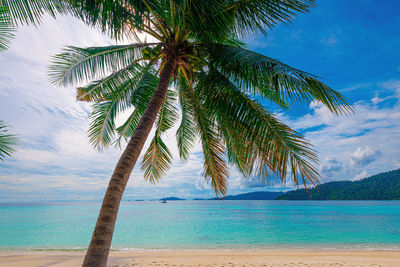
(198, 225)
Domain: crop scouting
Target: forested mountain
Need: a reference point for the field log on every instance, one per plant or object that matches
(383, 186)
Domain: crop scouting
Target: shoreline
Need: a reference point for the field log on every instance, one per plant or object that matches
(189, 248)
(208, 258)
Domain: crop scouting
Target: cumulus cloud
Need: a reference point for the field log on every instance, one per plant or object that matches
(360, 176)
(364, 156)
(366, 139)
(330, 167)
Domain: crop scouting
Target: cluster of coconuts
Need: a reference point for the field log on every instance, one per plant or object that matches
(151, 53)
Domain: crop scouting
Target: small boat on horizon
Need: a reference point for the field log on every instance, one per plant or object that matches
(164, 201)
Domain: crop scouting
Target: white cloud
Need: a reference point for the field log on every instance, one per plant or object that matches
(368, 138)
(393, 85)
(364, 156)
(330, 40)
(355, 87)
(360, 176)
(331, 167)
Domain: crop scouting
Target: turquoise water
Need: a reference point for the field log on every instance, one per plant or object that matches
(207, 225)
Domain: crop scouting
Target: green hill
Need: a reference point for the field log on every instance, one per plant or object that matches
(383, 186)
(171, 199)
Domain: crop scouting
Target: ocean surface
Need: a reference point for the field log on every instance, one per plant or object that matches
(207, 225)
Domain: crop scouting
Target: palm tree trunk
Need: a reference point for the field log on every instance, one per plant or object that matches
(100, 244)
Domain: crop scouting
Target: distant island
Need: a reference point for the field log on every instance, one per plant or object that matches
(171, 199)
(260, 195)
(383, 186)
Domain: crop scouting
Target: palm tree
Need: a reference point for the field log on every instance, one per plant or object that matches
(196, 59)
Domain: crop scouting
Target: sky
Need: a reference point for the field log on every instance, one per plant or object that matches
(353, 46)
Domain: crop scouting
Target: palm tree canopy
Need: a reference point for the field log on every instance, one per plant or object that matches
(220, 85)
(207, 18)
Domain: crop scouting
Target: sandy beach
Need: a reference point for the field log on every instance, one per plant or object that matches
(209, 258)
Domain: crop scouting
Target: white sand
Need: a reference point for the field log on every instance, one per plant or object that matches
(210, 258)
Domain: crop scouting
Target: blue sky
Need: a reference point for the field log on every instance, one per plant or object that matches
(352, 45)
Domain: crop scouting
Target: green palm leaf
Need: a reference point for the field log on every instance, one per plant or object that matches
(134, 92)
(186, 135)
(212, 21)
(32, 11)
(110, 16)
(6, 29)
(126, 130)
(215, 167)
(144, 89)
(7, 141)
(111, 87)
(168, 113)
(107, 15)
(259, 143)
(102, 126)
(272, 79)
(75, 65)
(157, 158)
(260, 15)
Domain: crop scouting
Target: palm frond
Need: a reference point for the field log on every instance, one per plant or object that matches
(252, 16)
(156, 161)
(111, 87)
(157, 158)
(134, 93)
(168, 114)
(113, 17)
(7, 141)
(76, 65)
(272, 79)
(186, 135)
(109, 16)
(102, 123)
(143, 92)
(6, 29)
(256, 139)
(215, 167)
(32, 11)
(126, 130)
(212, 21)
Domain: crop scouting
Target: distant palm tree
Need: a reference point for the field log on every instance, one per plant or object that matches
(219, 84)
